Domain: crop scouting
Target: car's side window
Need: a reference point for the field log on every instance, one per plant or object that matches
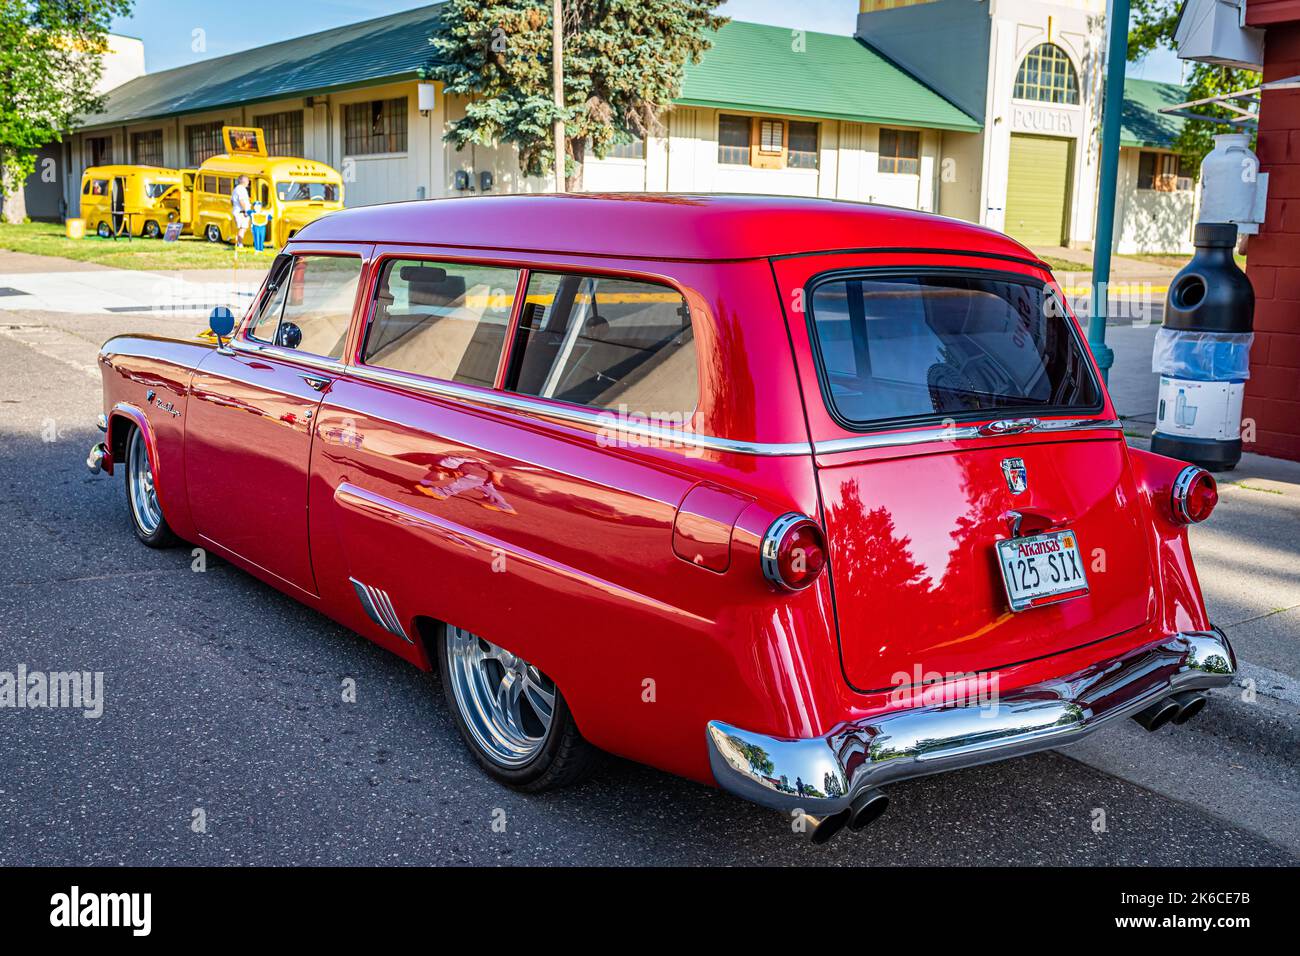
(311, 307)
(262, 326)
(445, 320)
(607, 343)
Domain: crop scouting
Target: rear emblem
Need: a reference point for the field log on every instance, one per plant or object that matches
(1017, 476)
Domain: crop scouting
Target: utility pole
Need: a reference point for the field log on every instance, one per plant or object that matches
(1112, 108)
(557, 84)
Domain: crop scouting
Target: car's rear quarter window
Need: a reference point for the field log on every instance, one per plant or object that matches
(609, 343)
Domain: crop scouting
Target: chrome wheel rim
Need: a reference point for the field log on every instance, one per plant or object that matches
(144, 500)
(507, 703)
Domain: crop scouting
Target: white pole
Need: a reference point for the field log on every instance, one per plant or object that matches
(557, 81)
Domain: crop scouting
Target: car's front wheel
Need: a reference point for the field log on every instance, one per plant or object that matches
(141, 498)
(212, 233)
(512, 716)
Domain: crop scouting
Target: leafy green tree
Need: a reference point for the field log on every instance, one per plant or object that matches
(1151, 27)
(50, 60)
(623, 66)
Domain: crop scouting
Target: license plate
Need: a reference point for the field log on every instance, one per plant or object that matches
(1042, 569)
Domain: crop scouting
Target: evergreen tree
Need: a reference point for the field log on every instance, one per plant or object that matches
(623, 65)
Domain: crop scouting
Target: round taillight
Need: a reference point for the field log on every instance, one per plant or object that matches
(1194, 496)
(793, 552)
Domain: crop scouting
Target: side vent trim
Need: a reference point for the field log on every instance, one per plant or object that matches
(379, 608)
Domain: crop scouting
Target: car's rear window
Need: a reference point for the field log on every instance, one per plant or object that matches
(946, 344)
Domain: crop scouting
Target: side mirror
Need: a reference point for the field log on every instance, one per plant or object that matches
(222, 322)
(289, 336)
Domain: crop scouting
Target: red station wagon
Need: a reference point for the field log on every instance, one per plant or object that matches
(795, 497)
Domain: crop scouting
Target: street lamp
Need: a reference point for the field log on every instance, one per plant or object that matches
(1112, 111)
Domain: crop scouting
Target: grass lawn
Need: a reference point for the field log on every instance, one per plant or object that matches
(48, 239)
(1066, 265)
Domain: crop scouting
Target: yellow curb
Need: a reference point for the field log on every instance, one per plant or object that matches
(1118, 289)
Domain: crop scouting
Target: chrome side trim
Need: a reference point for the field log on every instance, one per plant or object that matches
(822, 775)
(289, 355)
(379, 608)
(920, 436)
(607, 423)
(610, 425)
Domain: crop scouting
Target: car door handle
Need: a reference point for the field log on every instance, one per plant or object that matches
(318, 383)
(1031, 521)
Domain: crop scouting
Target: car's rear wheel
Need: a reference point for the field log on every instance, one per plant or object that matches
(151, 230)
(212, 233)
(141, 498)
(103, 231)
(512, 716)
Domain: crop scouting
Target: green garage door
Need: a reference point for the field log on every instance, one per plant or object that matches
(1038, 181)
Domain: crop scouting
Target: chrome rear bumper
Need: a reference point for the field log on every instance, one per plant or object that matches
(822, 775)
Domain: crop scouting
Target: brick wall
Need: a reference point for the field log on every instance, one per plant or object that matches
(1273, 257)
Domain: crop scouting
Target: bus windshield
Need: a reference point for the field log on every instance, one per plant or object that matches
(157, 190)
(307, 192)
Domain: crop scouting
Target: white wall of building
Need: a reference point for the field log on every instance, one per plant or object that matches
(1148, 220)
(124, 60)
(1018, 27)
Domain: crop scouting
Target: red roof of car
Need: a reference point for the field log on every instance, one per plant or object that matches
(658, 226)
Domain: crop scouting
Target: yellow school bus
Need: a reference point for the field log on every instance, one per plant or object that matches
(294, 191)
(134, 200)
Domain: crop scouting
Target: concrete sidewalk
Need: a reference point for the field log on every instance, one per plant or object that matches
(50, 284)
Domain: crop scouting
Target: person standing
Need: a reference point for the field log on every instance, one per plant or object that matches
(240, 208)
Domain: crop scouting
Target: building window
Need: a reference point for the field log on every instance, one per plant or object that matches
(204, 140)
(147, 148)
(98, 150)
(803, 146)
(900, 151)
(1047, 75)
(632, 150)
(771, 137)
(377, 126)
(733, 140)
(282, 132)
(1164, 172)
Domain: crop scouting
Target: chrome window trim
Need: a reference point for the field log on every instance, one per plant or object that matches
(605, 419)
(672, 437)
(921, 436)
(301, 358)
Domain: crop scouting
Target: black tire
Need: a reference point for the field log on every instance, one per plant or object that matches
(151, 230)
(212, 233)
(103, 231)
(565, 759)
(152, 533)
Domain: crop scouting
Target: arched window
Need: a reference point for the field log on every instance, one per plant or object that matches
(1047, 75)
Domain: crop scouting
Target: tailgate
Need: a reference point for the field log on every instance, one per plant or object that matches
(918, 587)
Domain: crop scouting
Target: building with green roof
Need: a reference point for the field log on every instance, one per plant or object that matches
(767, 110)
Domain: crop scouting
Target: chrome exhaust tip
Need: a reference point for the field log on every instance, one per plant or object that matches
(823, 829)
(1158, 714)
(1190, 703)
(866, 809)
(95, 460)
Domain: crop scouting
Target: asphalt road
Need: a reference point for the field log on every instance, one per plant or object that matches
(222, 695)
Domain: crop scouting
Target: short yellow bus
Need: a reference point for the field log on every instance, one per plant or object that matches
(130, 200)
(293, 191)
